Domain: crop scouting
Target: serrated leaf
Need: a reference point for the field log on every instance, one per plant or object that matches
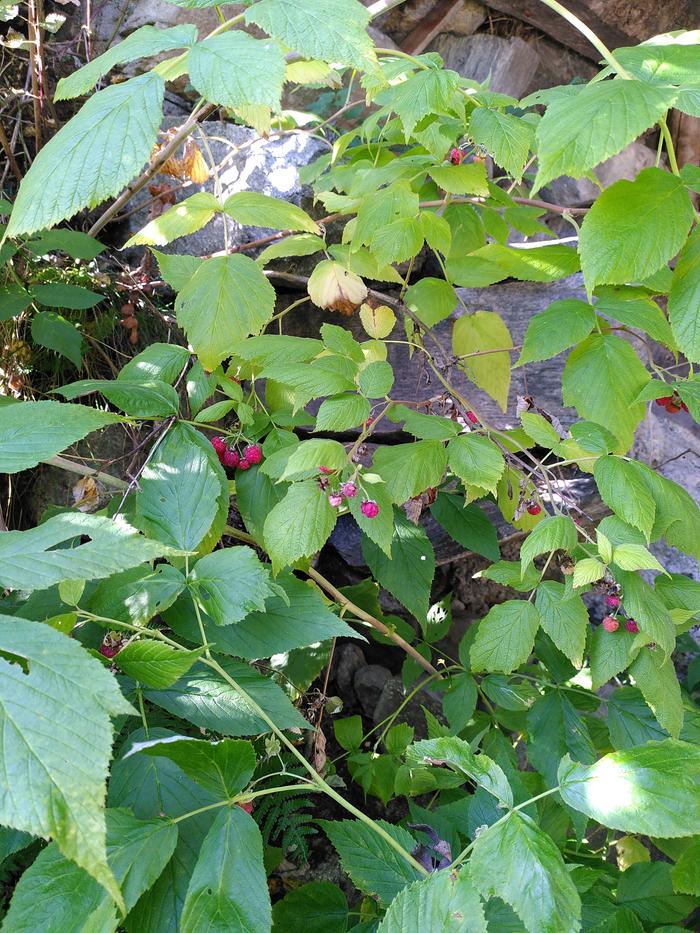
(312, 908)
(606, 117)
(40, 709)
(610, 653)
(140, 399)
(304, 244)
(398, 241)
(555, 728)
(162, 362)
(686, 872)
(651, 790)
(155, 664)
(14, 298)
(458, 755)
(186, 217)
(261, 210)
(29, 559)
(76, 244)
(505, 637)
(624, 491)
(431, 300)
(342, 412)
(143, 43)
(556, 532)
(684, 297)
(306, 458)
(634, 228)
(635, 557)
(602, 380)
(64, 295)
(587, 570)
(54, 332)
(133, 596)
(484, 330)
(507, 138)
(521, 864)
(642, 313)
(227, 299)
(236, 70)
(446, 901)
(564, 324)
(655, 675)
(69, 172)
(230, 583)
(379, 529)
(299, 525)
(564, 619)
(476, 461)
(409, 469)
(176, 269)
(426, 92)
(467, 524)
(330, 30)
(467, 178)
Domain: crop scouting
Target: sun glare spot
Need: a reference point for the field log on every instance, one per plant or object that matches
(610, 787)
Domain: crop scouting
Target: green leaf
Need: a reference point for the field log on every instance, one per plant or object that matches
(186, 217)
(30, 560)
(445, 901)
(505, 637)
(540, 429)
(261, 210)
(306, 458)
(642, 313)
(495, 262)
(78, 245)
(228, 890)
(684, 297)
(651, 790)
(135, 595)
(476, 461)
(54, 332)
(55, 894)
(467, 524)
(431, 300)
(507, 138)
(554, 728)
(624, 491)
(484, 330)
(685, 874)
(647, 889)
(606, 117)
(564, 324)
(377, 211)
(175, 269)
(602, 379)
(634, 228)
(519, 863)
(373, 865)
(299, 525)
(635, 557)
(458, 755)
(224, 768)
(459, 700)
(315, 907)
(226, 299)
(376, 379)
(410, 469)
(63, 295)
(564, 619)
(330, 30)
(155, 664)
(379, 529)
(34, 431)
(610, 653)
(467, 178)
(408, 574)
(430, 91)
(426, 427)
(587, 571)
(630, 720)
(556, 532)
(138, 399)
(230, 583)
(668, 59)
(14, 298)
(182, 490)
(646, 606)
(145, 42)
(236, 70)
(342, 412)
(398, 241)
(656, 677)
(302, 245)
(40, 708)
(93, 157)
(206, 699)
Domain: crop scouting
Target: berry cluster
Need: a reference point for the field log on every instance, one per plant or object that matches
(347, 490)
(610, 622)
(230, 457)
(672, 403)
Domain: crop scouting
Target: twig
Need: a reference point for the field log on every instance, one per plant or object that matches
(12, 162)
(35, 66)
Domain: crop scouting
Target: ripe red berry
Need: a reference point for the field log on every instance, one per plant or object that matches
(244, 464)
(109, 651)
(631, 626)
(324, 469)
(369, 508)
(369, 421)
(349, 490)
(456, 156)
(253, 453)
(230, 458)
(672, 408)
(664, 400)
(248, 807)
(219, 444)
(534, 509)
(472, 417)
(612, 601)
(610, 624)
(335, 500)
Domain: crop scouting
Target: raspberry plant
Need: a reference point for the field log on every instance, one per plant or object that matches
(564, 742)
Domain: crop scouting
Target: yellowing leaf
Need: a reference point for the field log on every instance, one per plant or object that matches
(331, 286)
(474, 333)
(377, 322)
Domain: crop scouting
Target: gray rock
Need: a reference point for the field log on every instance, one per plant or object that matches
(464, 19)
(511, 63)
(394, 694)
(350, 659)
(119, 18)
(242, 162)
(369, 682)
(572, 192)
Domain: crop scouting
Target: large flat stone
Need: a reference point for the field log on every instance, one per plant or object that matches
(511, 64)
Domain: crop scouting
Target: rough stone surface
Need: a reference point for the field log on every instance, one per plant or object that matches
(350, 659)
(645, 18)
(559, 65)
(368, 683)
(399, 22)
(394, 694)
(119, 18)
(511, 63)
(270, 166)
(572, 192)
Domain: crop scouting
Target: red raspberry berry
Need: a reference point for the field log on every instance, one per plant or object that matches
(109, 651)
(349, 490)
(369, 508)
(335, 500)
(369, 421)
(324, 469)
(219, 444)
(612, 601)
(672, 408)
(472, 417)
(244, 464)
(684, 406)
(253, 453)
(610, 624)
(230, 458)
(631, 626)
(534, 509)
(456, 156)
(248, 807)
(664, 400)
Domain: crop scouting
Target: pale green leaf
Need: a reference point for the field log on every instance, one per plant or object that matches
(556, 532)
(484, 330)
(230, 583)
(635, 557)
(376, 379)
(155, 664)
(431, 300)
(564, 619)
(656, 677)
(177, 270)
(261, 210)
(467, 178)
(186, 217)
(564, 324)
(458, 755)
(235, 70)
(445, 901)
(684, 300)
(410, 469)
(642, 313)
(624, 491)
(306, 458)
(587, 570)
(162, 362)
(299, 525)
(476, 461)
(304, 244)
(426, 92)
(505, 637)
(507, 138)
(398, 241)
(342, 412)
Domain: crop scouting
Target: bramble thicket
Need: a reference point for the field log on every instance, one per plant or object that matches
(167, 737)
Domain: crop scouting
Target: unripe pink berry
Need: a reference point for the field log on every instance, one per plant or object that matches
(369, 508)
(230, 458)
(369, 421)
(455, 156)
(612, 601)
(248, 807)
(349, 490)
(631, 626)
(324, 469)
(610, 624)
(335, 500)
(244, 464)
(253, 453)
(219, 444)
(109, 651)
(472, 417)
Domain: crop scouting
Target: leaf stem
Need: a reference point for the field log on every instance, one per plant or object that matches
(670, 149)
(595, 41)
